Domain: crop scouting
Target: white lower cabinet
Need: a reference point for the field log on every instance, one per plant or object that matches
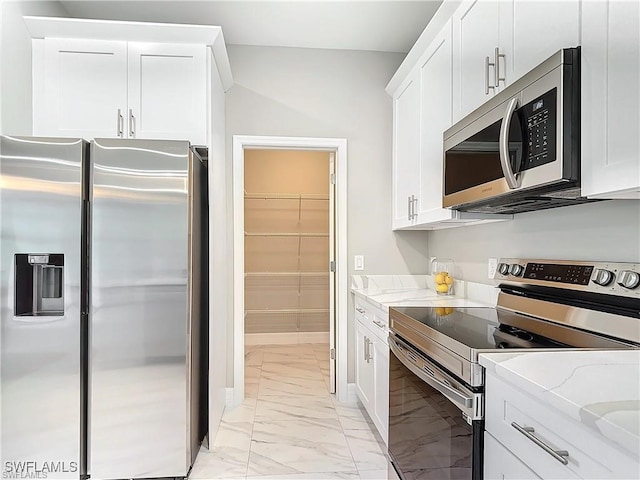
(372, 364)
(546, 442)
(501, 464)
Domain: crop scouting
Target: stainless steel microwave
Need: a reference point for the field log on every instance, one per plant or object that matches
(520, 151)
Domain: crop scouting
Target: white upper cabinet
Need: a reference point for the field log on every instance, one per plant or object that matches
(539, 29)
(85, 86)
(495, 43)
(422, 112)
(167, 91)
(476, 35)
(97, 88)
(406, 151)
(610, 150)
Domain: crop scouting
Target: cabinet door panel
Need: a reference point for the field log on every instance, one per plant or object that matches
(435, 82)
(406, 162)
(364, 369)
(85, 85)
(540, 29)
(475, 36)
(501, 464)
(381, 382)
(167, 91)
(610, 152)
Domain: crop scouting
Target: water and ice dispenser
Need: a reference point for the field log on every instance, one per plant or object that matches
(39, 284)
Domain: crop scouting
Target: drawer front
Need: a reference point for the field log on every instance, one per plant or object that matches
(531, 430)
(501, 464)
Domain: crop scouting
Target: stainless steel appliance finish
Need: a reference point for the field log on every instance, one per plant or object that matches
(436, 383)
(144, 304)
(41, 205)
(519, 151)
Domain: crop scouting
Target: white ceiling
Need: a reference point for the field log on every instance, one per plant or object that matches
(386, 26)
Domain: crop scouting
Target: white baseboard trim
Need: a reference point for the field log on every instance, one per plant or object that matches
(352, 396)
(229, 397)
(285, 338)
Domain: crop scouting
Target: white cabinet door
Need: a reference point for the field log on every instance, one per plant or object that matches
(476, 34)
(610, 151)
(435, 85)
(85, 89)
(539, 29)
(406, 151)
(167, 92)
(364, 366)
(501, 464)
(381, 382)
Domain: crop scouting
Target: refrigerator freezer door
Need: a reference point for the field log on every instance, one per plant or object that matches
(41, 211)
(139, 304)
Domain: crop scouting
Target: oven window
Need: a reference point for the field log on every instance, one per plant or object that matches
(428, 437)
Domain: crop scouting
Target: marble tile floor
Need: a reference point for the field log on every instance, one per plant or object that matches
(289, 426)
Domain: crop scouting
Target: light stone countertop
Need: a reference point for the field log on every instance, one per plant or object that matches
(600, 389)
(386, 291)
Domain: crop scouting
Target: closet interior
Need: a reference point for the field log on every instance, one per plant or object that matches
(286, 218)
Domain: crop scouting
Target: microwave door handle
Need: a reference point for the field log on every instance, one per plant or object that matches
(513, 181)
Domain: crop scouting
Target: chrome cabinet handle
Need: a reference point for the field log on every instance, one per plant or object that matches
(409, 207)
(360, 310)
(120, 124)
(369, 356)
(132, 123)
(496, 66)
(528, 432)
(415, 207)
(513, 181)
(487, 64)
(380, 324)
(366, 347)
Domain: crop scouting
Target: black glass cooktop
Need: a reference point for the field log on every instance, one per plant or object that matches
(477, 328)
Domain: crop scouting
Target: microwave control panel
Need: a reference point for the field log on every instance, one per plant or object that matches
(539, 121)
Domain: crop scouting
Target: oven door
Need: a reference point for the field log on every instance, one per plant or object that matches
(435, 422)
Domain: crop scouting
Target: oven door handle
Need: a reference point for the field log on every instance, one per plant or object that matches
(432, 377)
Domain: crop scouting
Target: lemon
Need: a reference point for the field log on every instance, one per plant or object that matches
(442, 288)
(440, 311)
(448, 310)
(448, 280)
(440, 279)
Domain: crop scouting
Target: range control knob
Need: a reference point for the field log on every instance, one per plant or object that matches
(602, 277)
(516, 270)
(503, 268)
(629, 279)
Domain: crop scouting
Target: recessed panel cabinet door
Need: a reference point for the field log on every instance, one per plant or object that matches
(610, 152)
(364, 367)
(406, 151)
(476, 34)
(167, 92)
(85, 85)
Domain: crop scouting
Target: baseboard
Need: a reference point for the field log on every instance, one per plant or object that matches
(352, 396)
(229, 397)
(291, 338)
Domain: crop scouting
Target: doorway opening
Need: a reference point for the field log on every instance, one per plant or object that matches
(290, 282)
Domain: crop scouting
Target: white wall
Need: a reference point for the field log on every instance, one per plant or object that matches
(331, 93)
(607, 231)
(15, 63)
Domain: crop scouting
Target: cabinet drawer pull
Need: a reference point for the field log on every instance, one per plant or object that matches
(496, 67)
(409, 203)
(132, 124)
(487, 64)
(529, 433)
(120, 124)
(360, 310)
(380, 324)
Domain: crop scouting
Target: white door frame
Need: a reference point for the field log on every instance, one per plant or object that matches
(339, 146)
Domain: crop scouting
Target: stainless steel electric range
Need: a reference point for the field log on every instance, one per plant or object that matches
(436, 386)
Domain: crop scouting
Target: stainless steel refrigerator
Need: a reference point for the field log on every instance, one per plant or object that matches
(104, 308)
